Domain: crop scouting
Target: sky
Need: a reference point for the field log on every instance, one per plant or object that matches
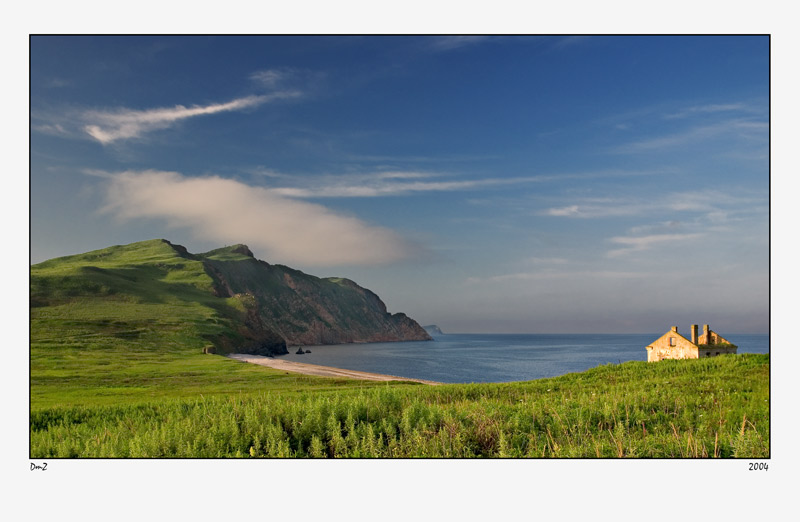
(498, 184)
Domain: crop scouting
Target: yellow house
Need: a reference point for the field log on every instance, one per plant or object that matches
(673, 345)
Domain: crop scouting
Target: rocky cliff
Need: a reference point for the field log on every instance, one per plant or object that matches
(303, 309)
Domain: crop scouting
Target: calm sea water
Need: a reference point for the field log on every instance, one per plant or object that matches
(494, 357)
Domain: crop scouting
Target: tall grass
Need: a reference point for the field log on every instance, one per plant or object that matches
(686, 409)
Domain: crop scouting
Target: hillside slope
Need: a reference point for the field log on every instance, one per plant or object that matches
(158, 295)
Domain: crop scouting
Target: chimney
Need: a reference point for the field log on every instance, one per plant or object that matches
(675, 329)
(694, 333)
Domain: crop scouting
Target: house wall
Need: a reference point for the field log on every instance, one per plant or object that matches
(679, 348)
(711, 350)
(711, 344)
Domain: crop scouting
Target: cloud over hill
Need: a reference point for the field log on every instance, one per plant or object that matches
(226, 210)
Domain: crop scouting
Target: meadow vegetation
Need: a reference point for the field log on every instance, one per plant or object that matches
(716, 407)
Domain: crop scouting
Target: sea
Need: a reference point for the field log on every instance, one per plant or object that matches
(465, 358)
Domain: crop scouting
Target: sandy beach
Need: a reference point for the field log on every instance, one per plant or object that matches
(320, 371)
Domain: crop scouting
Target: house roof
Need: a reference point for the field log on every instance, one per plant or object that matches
(675, 333)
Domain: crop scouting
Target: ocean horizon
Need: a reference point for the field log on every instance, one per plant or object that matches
(465, 358)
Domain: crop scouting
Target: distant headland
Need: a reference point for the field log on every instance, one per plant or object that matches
(432, 329)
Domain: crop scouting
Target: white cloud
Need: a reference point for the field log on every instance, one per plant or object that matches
(639, 243)
(595, 210)
(569, 210)
(228, 211)
(113, 125)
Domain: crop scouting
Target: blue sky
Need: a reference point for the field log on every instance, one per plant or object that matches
(485, 184)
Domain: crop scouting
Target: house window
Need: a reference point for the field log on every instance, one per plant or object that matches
(708, 354)
(717, 353)
(672, 341)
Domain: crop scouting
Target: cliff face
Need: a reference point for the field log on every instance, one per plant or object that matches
(303, 309)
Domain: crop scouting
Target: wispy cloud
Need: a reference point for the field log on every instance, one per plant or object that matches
(288, 79)
(561, 275)
(448, 43)
(394, 183)
(639, 243)
(544, 43)
(702, 202)
(596, 208)
(568, 41)
(228, 211)
(707, 109)
(568, 211)
(690, 124)
(548, 260)
(272, 78)
(444, 158)
(732, 200)
(120, 124)
(390, 184)
(743, 128)
(55, 129)
(57, 83)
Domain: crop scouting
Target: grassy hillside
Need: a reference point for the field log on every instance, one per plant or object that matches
(96, 316)
(714, 407)
(147, 292)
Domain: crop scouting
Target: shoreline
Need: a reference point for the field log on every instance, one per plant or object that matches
(320, 371)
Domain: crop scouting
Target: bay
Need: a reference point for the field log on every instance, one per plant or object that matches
(464, 358)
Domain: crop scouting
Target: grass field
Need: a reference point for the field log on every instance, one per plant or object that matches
(715, 407)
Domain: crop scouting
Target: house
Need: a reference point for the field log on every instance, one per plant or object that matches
(673, 345)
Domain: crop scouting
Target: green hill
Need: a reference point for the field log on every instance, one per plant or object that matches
(154, 292)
